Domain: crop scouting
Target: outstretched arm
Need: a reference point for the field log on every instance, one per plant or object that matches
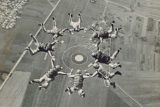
(43, 27)
(54, 42)
(53, 63)
(70, 74)
(120, 28)
(112, 26)
(93, 26)
(86, 75)
(34, 39)
(63, 30)
(94, 74)
(62, 73)
(96, 61)
(52, 59)
(54, 22)
(91, 64)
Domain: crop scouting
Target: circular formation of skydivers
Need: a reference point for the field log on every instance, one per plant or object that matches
(79, 76)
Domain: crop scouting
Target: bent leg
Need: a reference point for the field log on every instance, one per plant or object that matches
(69, 90)
(97, 44)
(33, 52)
(81, 93)
(45, 83)
(107, 82)
(111, 75)
(38, 80)
(70, 18)
(114, 55)
(34, 39)
(113, 35)
(114, 65)
(94, 35)
(79, 22)
(44, 28)
(54, 22)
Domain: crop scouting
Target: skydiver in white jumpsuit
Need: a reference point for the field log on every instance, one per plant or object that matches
(55, 31)
(76, 25)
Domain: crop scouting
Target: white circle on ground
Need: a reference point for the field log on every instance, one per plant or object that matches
(84, 46)
(79, 58)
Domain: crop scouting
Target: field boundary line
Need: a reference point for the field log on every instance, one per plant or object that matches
(24, 52)
(123, 91)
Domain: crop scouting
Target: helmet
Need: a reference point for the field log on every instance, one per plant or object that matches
(41, 44)
(95, 24)
(100, 28)
(79, 71)
(93, 54)
(53, 48)
(58, 67)
(96, 65)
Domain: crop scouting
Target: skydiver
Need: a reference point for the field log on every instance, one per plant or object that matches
(114, 34)
(78, 79)
(105, 75)
(76, 25)
(102, 34)
(96, 34)
(48, 76)
(55, 31)
(41, 47)
(101, 57)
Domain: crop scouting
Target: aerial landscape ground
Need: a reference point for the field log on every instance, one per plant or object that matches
(140, 55)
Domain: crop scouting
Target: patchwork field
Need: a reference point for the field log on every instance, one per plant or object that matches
(140, 56)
